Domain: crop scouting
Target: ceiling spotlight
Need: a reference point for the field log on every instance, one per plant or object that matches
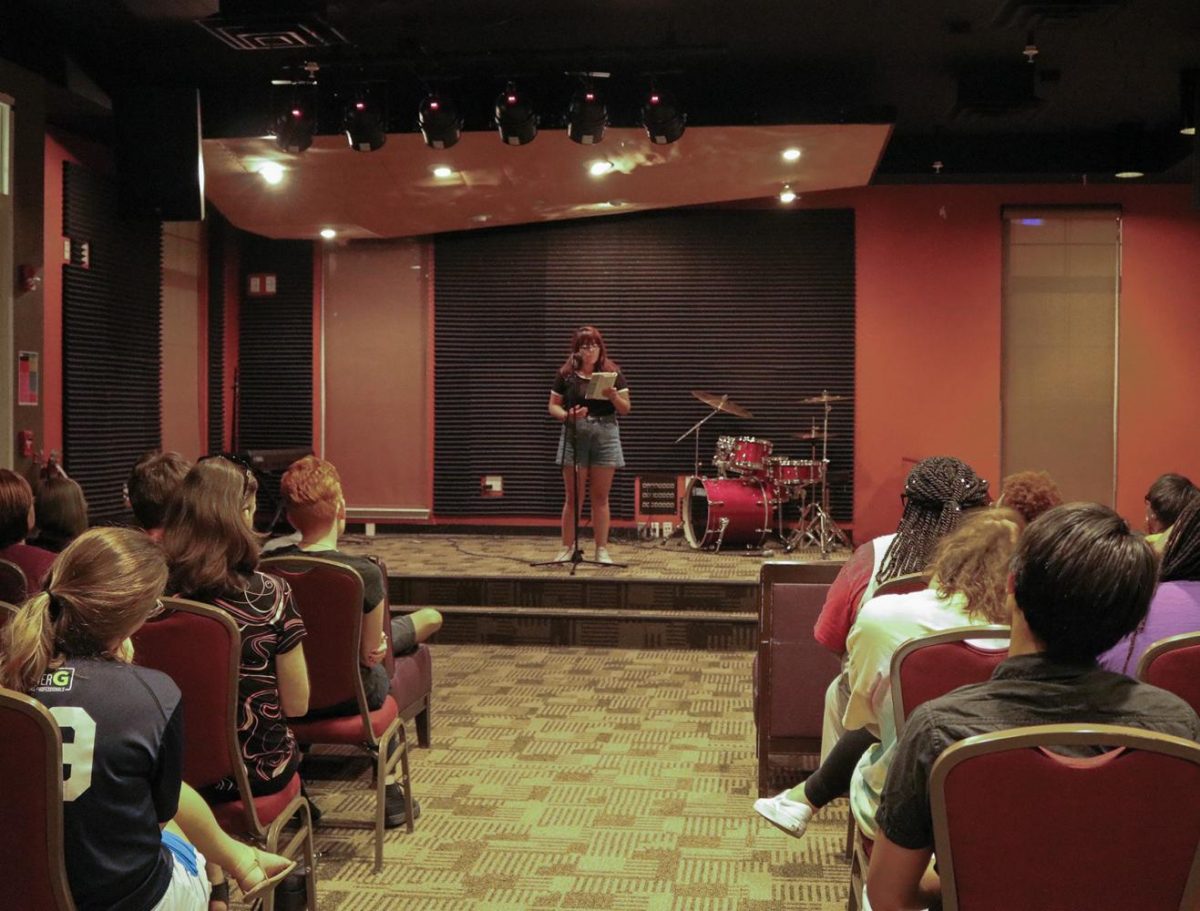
(601, 167)
(1189, 101)
(587, 116)
(1129, 175)
(364, 126)
(661, 117)
(270, 171)
(441, 125)
(515, 119)
(787, 195)
(443, 171)
(328, 233)
(792, 154)
(294, 128)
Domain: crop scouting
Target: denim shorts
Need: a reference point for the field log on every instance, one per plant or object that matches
(598, 440)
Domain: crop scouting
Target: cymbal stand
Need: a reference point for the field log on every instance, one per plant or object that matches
(695, 428)
(820, 528)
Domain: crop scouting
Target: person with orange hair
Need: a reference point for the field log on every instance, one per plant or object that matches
(1030, 493)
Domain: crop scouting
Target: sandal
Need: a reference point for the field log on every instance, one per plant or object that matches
(254, 890)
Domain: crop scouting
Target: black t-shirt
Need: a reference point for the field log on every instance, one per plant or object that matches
(572, 390)
(122, 733)
(371, 575)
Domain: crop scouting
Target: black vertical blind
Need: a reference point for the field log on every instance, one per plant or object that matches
(217, 233)
(758, 305)
(112, 339)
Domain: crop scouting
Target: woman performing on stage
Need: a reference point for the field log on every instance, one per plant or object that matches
(596, 452)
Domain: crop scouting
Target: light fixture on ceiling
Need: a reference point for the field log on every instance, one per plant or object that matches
(443, 171)
(515, 118)
(787, 195)
(662, 118)
(364, 126)
(270, 171)
(441, 125)
(600, 167)
(1130, 149)
(792, 154)
(587, 116)
(294, 128)
(1189, 101)
(1129, 175)
(328, 233)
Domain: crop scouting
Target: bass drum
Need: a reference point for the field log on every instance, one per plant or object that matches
(726, 512)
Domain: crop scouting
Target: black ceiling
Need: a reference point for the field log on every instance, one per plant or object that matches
(1104, 89)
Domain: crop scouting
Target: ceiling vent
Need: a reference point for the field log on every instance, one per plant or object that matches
(1027, 14)
(273, 25)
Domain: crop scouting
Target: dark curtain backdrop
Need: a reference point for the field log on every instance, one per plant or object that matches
(756, 304)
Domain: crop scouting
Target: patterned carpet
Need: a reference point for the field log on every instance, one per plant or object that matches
(581, 778)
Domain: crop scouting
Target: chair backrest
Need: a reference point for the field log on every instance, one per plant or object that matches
(14, 587)
(931, 666)
(329, 596)
(199, 647)
(31, 805)
(1017, 826)
(902, 585)
(1174, 664)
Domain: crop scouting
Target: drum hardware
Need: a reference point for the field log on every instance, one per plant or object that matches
(816, 525)
(718, 404)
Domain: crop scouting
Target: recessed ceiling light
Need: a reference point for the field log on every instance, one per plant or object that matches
(787, 195)
(601, 167)
(328, 233)
(791, 154)
(271, 171)
(443, 171)
(1187, 131)
(1129, 175)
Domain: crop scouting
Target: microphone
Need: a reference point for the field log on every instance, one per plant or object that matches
(577, 360)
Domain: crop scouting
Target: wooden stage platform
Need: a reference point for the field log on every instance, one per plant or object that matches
(667, 596)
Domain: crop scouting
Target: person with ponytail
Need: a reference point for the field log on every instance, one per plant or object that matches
(136, 838)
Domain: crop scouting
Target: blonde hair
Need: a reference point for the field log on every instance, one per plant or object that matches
(973, 561)
(312, 490)
(99, 589)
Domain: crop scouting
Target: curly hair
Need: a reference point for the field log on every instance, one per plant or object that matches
(1030, 493)
(973, 561)
(936, 492)
(312, 490)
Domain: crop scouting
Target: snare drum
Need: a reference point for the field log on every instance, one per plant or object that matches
(726, 512)
(795, 472)
(750, 456)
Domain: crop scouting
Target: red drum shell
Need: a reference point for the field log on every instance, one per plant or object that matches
(742, 505)
(750, 456)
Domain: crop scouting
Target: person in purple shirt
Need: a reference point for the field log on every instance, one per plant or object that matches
(1176, 605)
(16, 522)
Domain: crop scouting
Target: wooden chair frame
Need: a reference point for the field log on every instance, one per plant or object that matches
(902, 585)
(1163, 647)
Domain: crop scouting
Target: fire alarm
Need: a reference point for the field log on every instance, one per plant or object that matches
(29, 277)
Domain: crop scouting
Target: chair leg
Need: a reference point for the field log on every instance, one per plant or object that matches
(422, 720)
(849, 853)
(407, 782)
(381, 763)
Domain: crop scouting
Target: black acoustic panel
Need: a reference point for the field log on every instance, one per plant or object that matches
(217, 233)
(758, 305)
(275, 347)
(159, 163)
(112, 339)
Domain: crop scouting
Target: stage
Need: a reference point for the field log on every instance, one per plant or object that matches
(667, 596)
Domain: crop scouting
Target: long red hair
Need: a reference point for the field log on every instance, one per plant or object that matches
(582, 336)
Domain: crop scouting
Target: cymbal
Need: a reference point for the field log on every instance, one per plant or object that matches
(721, 403)
(824, 398)
(815, 435)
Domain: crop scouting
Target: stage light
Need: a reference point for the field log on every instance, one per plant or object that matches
(600, 168)
(294, 128)
(787, 195)
(1129, 175)
(587, 116)
(515, 119)
(791, 154)
(661, 117)
(443, 171)
(364, 126)
(271, 171)
(441, 125)
(328, 233)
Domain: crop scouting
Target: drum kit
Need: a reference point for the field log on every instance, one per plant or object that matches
(744, 503)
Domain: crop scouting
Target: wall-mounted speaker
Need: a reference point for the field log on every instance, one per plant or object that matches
(160, 167)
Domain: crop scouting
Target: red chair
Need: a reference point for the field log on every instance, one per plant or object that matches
(31, 805)
(329, 597)
(14, 587)
(199, 647)
(411, 675)
(1174, 664)
(1018, 826)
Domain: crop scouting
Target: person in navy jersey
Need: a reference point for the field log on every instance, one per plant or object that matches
(136, 838)
(595, 445)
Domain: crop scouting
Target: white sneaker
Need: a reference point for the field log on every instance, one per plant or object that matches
(602, 555)
(564, 555)
(791, 816)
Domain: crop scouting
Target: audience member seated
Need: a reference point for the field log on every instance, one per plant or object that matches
(1030, 493)
(1165, 500)
(1080, 581)
(213, 555)
(136, 837)
(967, 589)
(60, 511)
(316, 507)
(151, 486)
(1175, 607)
(16, 522)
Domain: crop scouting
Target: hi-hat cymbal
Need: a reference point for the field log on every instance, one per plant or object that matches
(824, 398)
(721, 403)
(815, 435)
